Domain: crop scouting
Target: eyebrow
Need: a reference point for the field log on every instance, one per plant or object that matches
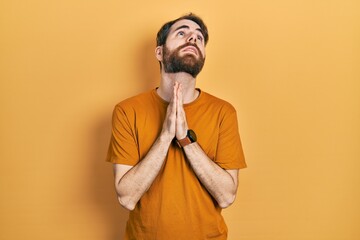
(187, 27)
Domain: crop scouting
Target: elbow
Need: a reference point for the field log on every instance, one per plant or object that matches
(126, 203)
(125, 199)
(227, 201)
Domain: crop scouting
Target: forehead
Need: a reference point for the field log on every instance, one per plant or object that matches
(185, 23)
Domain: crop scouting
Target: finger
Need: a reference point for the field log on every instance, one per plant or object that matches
(176, 89)
(169, 124)
(181, 124)
(180, 91)
(171, 108)
(175, 95)
(180, 107)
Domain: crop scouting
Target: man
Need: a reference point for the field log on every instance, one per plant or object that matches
(176, 149)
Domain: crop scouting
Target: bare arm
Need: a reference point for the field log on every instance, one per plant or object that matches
(131, 182)
(221, 184)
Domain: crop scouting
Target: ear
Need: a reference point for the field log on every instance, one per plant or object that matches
(159, 53)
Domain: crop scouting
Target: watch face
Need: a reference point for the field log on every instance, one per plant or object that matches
(191, 134)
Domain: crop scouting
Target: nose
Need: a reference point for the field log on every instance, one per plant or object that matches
(192, 38)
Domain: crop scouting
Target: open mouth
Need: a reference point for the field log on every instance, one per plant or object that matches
(190, 49)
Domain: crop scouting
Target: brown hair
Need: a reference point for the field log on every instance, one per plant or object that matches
(164, 30)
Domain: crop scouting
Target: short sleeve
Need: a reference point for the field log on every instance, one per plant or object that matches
(229, 150)
(123, 147)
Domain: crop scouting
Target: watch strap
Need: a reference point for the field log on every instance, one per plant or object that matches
(183, 142)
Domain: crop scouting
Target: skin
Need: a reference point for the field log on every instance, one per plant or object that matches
(131, 182)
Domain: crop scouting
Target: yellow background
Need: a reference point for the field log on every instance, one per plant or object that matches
(291, 68)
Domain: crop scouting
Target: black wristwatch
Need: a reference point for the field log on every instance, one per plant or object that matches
(190, 138)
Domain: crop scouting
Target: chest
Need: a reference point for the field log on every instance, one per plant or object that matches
(204, 121)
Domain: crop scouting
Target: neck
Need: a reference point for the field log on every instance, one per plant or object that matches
(187, 82)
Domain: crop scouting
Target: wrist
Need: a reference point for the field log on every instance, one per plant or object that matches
(182, 136)
(188, 139)
(166, 137)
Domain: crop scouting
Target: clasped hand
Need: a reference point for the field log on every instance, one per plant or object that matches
(175, 124)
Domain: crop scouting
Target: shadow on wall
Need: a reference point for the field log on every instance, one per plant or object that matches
(101, 185)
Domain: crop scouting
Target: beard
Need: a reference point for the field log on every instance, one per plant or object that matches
(188, 63)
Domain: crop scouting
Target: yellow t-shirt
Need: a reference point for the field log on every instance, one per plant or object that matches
(177, 205)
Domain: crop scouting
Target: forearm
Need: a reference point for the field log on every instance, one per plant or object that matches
(134, 183)
(219, 183)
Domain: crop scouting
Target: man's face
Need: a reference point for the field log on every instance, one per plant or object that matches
(184, 50)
